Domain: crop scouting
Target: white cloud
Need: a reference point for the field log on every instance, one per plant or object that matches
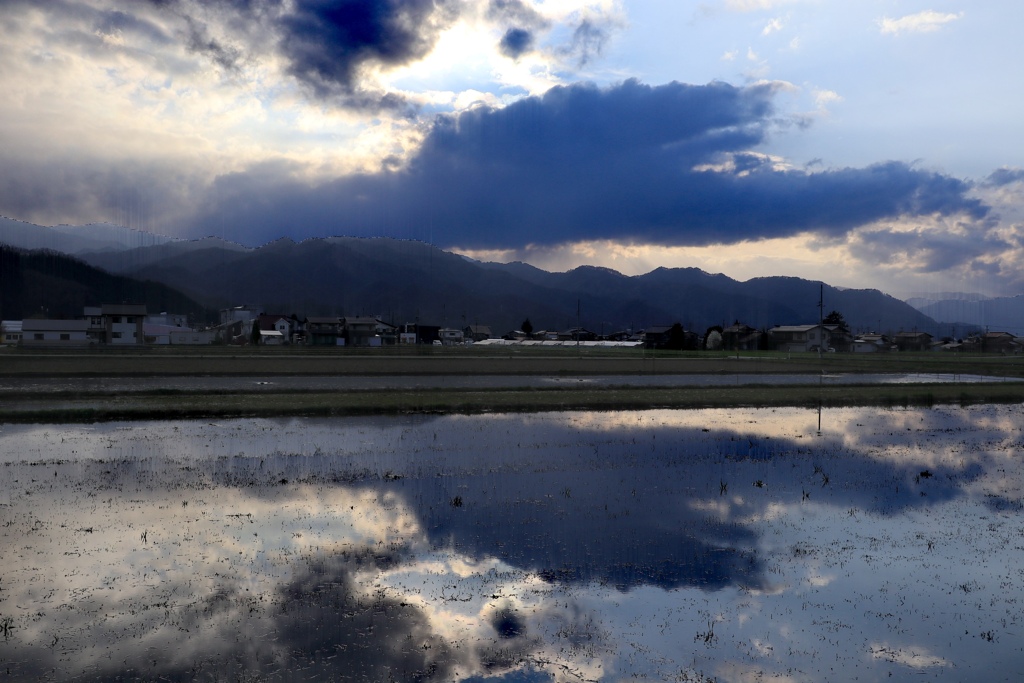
(922, 22)
(772, 26)
(916, 657)
(756, 5)
(823, 98)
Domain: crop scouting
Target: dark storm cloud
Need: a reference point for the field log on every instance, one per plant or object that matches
(523, 23)
(628, 163)
(328, 42)
(515, 12)
(226, 56)
(516, 42)
(928, 251)
(1004, 176)
(112, 21)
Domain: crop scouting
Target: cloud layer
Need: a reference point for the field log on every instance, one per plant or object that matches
(517, 127)
(673, 164)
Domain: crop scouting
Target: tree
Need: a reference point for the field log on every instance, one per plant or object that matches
(835, 318)
(255, 336)
(676, 338)
(713, 338)
(527, 327)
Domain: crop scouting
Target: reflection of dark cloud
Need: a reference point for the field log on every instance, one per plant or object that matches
(507, 623)
(624, 527)
(346, 634)
(626, 163)
(628, 505)
(631, 508)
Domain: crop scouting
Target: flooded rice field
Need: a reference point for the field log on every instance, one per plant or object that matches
(125, 385)
(729, 545)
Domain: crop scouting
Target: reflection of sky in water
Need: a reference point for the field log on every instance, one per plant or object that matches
(561, 546)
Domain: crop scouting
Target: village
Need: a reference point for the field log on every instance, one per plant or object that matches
(132, 325)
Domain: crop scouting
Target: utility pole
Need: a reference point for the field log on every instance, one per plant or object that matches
(821, 319)
(577, 327)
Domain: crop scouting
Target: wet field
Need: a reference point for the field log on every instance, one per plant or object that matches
(730, 545)
(125, 385)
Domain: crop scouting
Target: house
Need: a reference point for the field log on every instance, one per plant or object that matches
(913, 341)
(168, 319)
(839, 338)
(238, 313)
(10, 332)
(450, 336)
(741, 337)
(232, 332)
(158, 334)
(799, 337)
(281, 325)
(999, 342)
(55, 333)
(870, 343)
(576, 334)
(180, 337)
(368, 331)
(476, 332)
(116, 324)
(272, 338)
(619, 335)
(417, 333)
(325, 331)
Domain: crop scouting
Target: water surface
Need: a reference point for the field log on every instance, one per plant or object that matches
(728, 545)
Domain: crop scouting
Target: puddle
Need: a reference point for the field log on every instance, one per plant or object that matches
(669, 545)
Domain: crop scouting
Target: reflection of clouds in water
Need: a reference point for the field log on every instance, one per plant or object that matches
(915, 658)
(225, 583)
(573, 548)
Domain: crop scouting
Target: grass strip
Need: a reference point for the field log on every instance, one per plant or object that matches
(206, 405)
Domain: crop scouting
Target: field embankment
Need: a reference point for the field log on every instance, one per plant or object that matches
(84, 406)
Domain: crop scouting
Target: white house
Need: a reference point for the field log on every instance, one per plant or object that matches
(799, 337)
(70, 333)
(116, 323)
(450, 336)
(10, 332)
(870, 343)
(272, 337)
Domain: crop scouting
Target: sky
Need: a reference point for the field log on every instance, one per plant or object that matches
(871, 144)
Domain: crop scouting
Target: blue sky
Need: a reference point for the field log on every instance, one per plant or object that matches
(868, 144)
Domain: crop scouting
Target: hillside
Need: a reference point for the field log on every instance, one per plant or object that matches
(75, 239)
(405, 281)
(1001, 314)
(55, 285)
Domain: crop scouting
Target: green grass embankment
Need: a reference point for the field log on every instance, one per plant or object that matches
(186, 405)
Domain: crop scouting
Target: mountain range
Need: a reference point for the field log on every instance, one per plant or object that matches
(406, 281)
